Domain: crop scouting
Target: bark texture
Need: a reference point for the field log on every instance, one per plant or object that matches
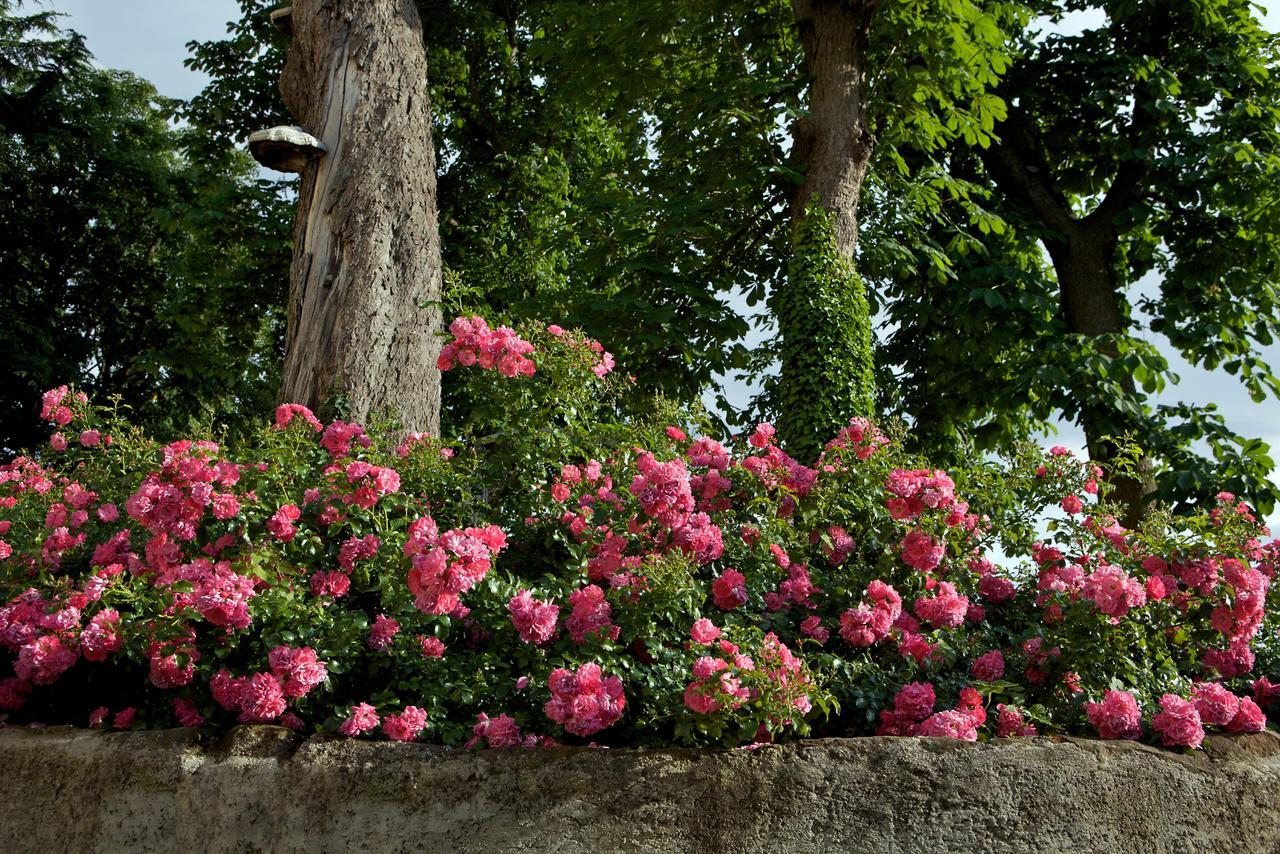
(834, 141)
(1084, 251)
(365, 281)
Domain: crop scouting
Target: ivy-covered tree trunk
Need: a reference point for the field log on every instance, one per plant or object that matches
(365, 281)
(827, 369)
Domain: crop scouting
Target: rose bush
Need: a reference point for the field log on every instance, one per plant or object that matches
(562, 571)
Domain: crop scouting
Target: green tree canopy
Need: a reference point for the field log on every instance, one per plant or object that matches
(627, 167)
(138, 259)
(1145, 145)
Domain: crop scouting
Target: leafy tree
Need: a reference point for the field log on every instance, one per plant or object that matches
(1145, 145)
(552, 201)
(131, 267)
(876, 71)
(630, 167)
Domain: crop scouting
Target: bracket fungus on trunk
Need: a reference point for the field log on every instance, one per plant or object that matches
(282, 20)
(285, 148)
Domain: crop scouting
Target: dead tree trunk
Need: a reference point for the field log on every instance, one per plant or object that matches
(365, 281)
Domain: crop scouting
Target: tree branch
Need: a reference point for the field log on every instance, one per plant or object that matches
(1021, 171)
(1130, 182)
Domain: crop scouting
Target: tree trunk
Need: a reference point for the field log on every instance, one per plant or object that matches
(1083, 263)
(365, 282)
(834, 141)
(827, 371)
(1084, 254)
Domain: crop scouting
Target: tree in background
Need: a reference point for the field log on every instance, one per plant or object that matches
(916, 74)
(550, 203)
(629, 167)
(1147, 144)
(136, 259)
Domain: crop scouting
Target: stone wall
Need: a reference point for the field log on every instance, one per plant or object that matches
(261, 789)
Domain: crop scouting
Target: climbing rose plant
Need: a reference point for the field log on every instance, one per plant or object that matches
(565, 572)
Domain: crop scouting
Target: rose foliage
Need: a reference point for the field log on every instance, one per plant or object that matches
(565, 572)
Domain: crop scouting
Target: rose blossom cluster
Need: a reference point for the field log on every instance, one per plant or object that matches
(534, 620)
(663, 490)
(911, 704)
(173, 500)
(1180, 722)
(405, 726)
(584, 701)
(1113, 591)
(54, 406)
(716, 684)
(872, 620)
(710, 483)
(859, 437)
(497, 733)
(474, 343)
(913, 714)
(287, 412)
(786, 674)
(729, 590)
(946, 608)
(220, 594)
(778, 470)
(445, 565)
(1117, 716)
(264, 697)
(217, 568)
(362, 484)
(591, 615)
(339, 437)
(912, 492)
(382, 633)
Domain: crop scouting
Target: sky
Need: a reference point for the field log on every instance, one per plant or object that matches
(149, 37)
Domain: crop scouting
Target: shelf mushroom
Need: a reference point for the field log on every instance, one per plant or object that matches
(282, 19)
(284, 148)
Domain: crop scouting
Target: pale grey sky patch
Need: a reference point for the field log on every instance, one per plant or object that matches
(148, 37)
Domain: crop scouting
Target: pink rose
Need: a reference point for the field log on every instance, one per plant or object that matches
(915, 700)
(1249, 718)
(1217, 706)
(988, 667)
(921, 551)
(1117, 716)
(364, 717)
(704, 631)
(1178, 722)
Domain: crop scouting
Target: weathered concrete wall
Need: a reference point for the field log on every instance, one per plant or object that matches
(262, 790)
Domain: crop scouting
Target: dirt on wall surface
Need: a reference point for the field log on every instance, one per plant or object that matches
(263, 789)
